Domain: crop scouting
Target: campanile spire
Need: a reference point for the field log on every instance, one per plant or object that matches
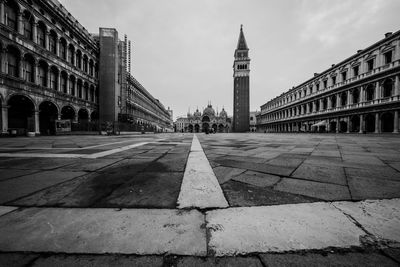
(241, 85)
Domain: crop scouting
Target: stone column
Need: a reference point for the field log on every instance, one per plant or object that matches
(396, 122)
(48, 78)
(46, 40)
(338, 98)
(308, 108)
(59, 81)
(37, 122)
(348, 124)
(35, 72)
(2, 11)
(377, 123)
(377, 91)
(57, 44)
(361, 123)
(362, 94)
(21, 67)
(349, 100)
(67, 84)
(321, 104)
(34, 32)
(337, 124)
(329, 102)
(4, 119)
(396, 85)
(328, 125)
(20, 22)
(314, 106)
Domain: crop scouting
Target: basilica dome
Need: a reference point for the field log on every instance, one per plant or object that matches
(223, 113)
(197, 113)
(209, 111)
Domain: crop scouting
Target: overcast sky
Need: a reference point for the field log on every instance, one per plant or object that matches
(183, 49)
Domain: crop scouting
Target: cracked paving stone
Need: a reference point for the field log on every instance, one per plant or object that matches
(257, 178)
(243, 195)
(313, 189)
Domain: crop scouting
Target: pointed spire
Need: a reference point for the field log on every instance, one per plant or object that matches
(242, 45)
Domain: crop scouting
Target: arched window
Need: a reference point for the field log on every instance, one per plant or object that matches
(63, 82)
(41, 34)
(28, 25)
(12, 61)
(10, 14)
(86, 91)
(42, 73)
(72, 85)
(79, 88)
(388, 88)
(52, 42)
(28, 68)
(71, 53)
(92, 93)
(369, 92)
(91, 71)
(63, 49)
(54, 78)
(79, 59)
(85, 63)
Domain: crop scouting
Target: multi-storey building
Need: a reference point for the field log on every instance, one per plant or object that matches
(253, 121)
(49, 69)
(203, 122)
(241, 85)
(359, 94)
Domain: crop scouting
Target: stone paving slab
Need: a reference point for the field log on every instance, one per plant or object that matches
(6, 174)
(324, 191)
(224, 174)
(98, 261)
(6, 209)
(219, 262)
(28, 184)
(316, 260)
(257, 178)
(381, 218)
(280, 228)
(241, 194)
(328, 174)
(373, 188)
(98, 231)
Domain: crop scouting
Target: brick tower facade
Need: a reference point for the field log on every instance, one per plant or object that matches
(241, 86)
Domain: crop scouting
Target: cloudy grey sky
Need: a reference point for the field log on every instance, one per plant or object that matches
(183, 49)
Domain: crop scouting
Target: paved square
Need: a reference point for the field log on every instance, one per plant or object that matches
(225, 194)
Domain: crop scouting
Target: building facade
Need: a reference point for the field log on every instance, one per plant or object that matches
(253, 121)
(359, 94)
(204, 121)
(241, 86)
(49, 69)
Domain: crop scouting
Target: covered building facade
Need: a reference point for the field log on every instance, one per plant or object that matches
(50, 68)
(204, 121)
(359, 94)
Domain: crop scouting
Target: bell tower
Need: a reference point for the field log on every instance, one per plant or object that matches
(241, 86)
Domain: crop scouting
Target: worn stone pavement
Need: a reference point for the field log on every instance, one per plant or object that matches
(72, 176)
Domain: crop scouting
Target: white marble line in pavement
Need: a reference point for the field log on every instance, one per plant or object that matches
(85, 156)
(231, 231)
(200, 187)
(127, 231)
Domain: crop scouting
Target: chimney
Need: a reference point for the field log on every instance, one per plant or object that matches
(316, 74)
(333, 65)
(358, 51)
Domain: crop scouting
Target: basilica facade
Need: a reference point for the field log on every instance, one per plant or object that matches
(205, 121)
